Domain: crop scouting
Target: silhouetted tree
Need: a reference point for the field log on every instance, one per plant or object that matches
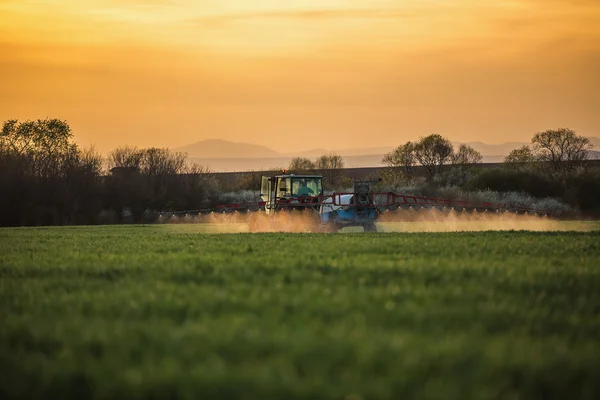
(520, 159)
(301, 164)
(402, 160)
(46, 143)
(466, 155)
(157, 162)
(330, 166)
(557, 152)
(562, 148)
(125, 157)
(433, 152)
(154, 179)
(81, 186)
(197, 188)
(46, 177)
(329, 161)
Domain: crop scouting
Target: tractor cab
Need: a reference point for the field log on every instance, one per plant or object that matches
(291, 191)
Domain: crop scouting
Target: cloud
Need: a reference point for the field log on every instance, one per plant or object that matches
(308, 15)
(322, 73)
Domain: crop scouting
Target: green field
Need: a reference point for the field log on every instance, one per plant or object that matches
(168, 312)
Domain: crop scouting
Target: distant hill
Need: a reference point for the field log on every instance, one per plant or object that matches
(222, 155)
(216, 148)
(596, 142)
(314, 153)
(496, 151)
(593, 155)
(263, 164)
(499, 150)
(493, 149)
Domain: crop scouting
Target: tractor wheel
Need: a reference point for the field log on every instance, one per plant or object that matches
(370, 227)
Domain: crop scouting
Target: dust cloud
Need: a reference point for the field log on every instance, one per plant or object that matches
(434, 220)
(402, 220)
(252, 221)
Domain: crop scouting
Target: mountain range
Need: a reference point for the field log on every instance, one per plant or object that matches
(221, 155)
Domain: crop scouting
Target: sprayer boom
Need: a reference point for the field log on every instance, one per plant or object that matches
(331, 212)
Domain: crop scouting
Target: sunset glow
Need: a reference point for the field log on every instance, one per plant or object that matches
(336, 74)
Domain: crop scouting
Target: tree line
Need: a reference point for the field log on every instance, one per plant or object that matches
(558, 152)
(433, 153)
(552, 165)
(329, 165)
(47, 179)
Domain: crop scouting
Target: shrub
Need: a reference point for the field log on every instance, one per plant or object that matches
(583, 191)
(510, 198)
(241, 196)
(505, 180)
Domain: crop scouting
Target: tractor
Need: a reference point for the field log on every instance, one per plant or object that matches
(330, 212)
(286, 197)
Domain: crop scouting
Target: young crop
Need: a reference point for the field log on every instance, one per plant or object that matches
(165, 311)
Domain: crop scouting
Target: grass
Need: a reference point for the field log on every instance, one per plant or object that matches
(165, 312)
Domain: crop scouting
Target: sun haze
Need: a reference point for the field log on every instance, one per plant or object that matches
(327, 73)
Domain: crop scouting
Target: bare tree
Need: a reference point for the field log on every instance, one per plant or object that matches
(44, 142)
(562, 148)
(459, 171)
(401, 158)
(43, 136)
(329, 161)
(466, 155)
(197, 187)
(10, 140)
(157, 161)
(330, 165)
(520, 159)
(81, 197)
(91, 160)
(125, 157)
(196, 169)
(47, 177)
(557, 151)
(433, 152)
(301, 164)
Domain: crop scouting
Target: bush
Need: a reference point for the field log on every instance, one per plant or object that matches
(520, 200)
(505, 180)
(456, 175)
(510, 198)
(583, 191)
(248, 181)
(242, 196)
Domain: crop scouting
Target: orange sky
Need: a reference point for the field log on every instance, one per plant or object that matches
(332, 73)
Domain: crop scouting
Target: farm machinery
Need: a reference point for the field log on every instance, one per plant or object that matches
(330, 212)
(286, 197)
